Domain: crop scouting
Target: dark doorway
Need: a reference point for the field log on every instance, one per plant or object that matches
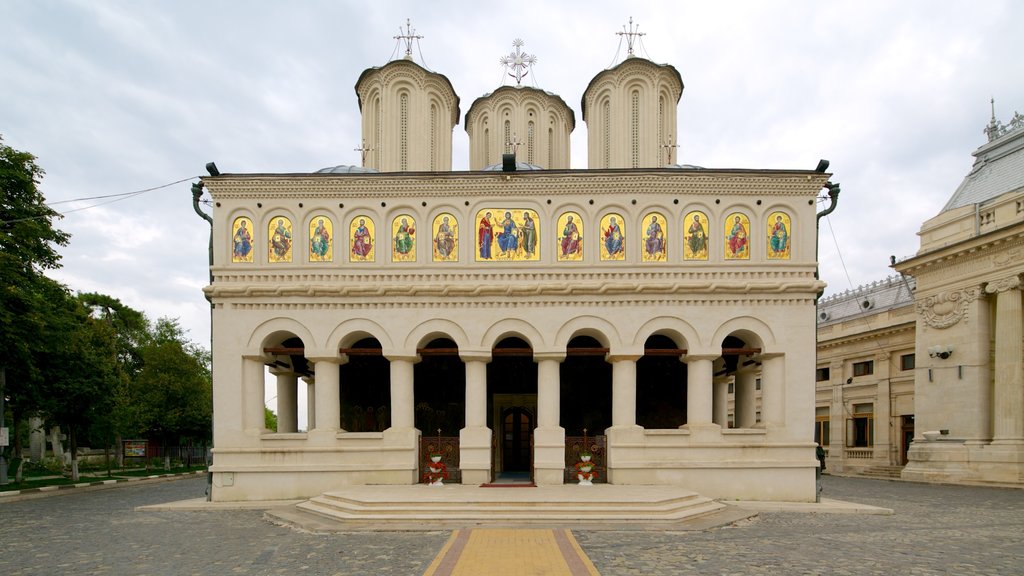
(660, 385)
(440, 389)
(365, 388)
(586, 389)
(517, 434)
(907, 429)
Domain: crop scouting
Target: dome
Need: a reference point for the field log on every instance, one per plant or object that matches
(346, 169)
(520, 167)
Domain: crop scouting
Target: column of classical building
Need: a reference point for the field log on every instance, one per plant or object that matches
(403, 408)
(475, 438)
(883, 432)
(287, 400)
(745, 393)
(310, 401)
(720, 408)
(326, 398)
(253, 404)
(699, 389)
(773, 390)
(1008, 397)
(836, 419)
(549, 437)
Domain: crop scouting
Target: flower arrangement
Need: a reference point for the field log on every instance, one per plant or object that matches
(585, 472)
(436, 472)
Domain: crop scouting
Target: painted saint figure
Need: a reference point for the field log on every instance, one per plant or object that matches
(444, 240)
(320, 241)
(697, 237)
(613, 241)
(737, 239)
(529, 231)
(508, 238)
(570, 238)
(403, 238)
(281, 240)
(779, 240)
(361, 241)
(655, 240)
(485, 236)
(242, 243)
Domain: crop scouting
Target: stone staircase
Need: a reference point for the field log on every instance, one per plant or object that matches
(883, 472)
(426, 506)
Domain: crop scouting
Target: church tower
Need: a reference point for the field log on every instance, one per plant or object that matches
(408, 115)
(532, 123)
(630, 111)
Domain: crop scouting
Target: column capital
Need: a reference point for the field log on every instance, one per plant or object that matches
(331, 359)
(399, 357)
(475, 356)
(710, 356)
(1003, 285)
(556, 356)
(623, 357)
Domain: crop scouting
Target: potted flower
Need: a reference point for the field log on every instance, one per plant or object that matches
(585, 472)
(436, 471)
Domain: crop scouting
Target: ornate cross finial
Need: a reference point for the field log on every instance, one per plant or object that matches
(512, 145)
(518, 61)
(630, 34)
(668, 150)
(364, 150)
(408, 37)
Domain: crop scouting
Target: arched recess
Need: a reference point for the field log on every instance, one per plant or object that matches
(586, 385)
(439, 390)
(511, 401)
(286, 378)
(739, 367)
(365, 387)
(661, 382)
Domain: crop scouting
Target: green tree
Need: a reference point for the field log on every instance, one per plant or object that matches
(28, 247)
(174, 387)
(269, 419)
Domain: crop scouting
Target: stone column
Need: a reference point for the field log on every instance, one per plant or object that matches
(287, 401)
(310, 402)
(746, 399)
(1008, 393)
(699, 389)
(623, 390)
(773, 390)
(549, 436)
(884, 429)
(721, 402)
(253, 394)
(475, 438)
(326, 395)
(403, 407)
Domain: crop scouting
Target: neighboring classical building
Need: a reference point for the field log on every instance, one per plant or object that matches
(924, 370)
(510, 315)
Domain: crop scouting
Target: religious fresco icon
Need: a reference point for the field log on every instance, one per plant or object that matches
(613, 237)
(241, 240)
(570, 237)
(779, 242)
(279, 234)
(737, 237)
(695, 241)
(403, 239)
(321, 232)
(445, 238)
(507, 234)
(361, 235)
(655, 232)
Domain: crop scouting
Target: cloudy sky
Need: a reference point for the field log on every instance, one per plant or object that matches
(121, 96)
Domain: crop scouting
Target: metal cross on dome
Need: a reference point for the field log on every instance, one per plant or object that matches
(630, 34)
(518, 61)
(408, 37)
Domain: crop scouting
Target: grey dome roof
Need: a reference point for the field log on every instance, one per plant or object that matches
(520, 167)
(685, 166)
(346, 169)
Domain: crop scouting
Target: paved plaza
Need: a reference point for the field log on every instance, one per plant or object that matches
(934, 530)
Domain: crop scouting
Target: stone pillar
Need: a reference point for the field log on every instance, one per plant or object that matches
(773, 390)
(287, 401)
(699, 390)
(253, 395)
(884, 429)
(310, 402)
(746, 399)
(836, 418)
(326, 395)
(475, 438)
(549, 436)
(403, 407)
(623, 390)
(1008, 393)
(720, 410)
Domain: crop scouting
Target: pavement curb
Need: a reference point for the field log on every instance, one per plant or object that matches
(43, 491)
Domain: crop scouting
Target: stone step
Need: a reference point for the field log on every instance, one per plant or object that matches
(882, 472)
(570, 503)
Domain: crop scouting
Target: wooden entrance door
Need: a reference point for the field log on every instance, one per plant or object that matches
(517, 436)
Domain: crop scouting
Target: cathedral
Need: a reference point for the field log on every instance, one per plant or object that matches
(510, 320)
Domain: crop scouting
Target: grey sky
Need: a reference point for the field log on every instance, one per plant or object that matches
(114, 97)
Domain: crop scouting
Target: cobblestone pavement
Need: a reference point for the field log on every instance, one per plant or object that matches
(935, 530)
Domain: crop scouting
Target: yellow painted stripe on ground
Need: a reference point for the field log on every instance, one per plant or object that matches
(511, 552)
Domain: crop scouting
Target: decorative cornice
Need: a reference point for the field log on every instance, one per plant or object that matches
(947, 308)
